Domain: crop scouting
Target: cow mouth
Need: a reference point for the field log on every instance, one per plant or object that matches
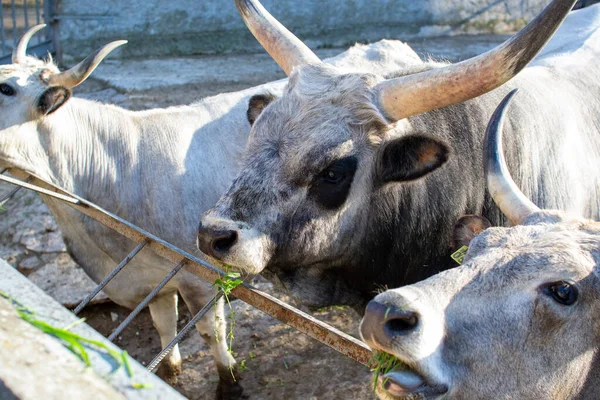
(396, 380)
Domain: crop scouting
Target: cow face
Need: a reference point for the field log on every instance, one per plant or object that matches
(31, 89)
(323, 158)
(520, 319)
(315, 156)
(25, 93)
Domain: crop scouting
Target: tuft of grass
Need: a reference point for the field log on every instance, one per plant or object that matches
(226, 284)
(242, 367)
(139, 385)
(382, 363)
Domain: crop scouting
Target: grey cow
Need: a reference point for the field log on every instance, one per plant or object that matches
(520, 319)
(159, 169)
(330, 204)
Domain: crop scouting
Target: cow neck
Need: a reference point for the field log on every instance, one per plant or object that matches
(410, 240)
(89, 148)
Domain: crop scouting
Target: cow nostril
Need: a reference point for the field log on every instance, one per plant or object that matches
(216, 243)
(402, 324)
(225, 241)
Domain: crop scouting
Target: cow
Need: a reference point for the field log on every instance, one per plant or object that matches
(158, 169)
(332, 202)
(519, 319)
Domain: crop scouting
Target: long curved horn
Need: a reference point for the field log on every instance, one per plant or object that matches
(507, 196)
(20, 52)
(285, 48)
(414, 94)
(81, 71)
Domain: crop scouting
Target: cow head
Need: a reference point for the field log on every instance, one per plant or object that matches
(31, 89)
(519, 319)
(329, 150)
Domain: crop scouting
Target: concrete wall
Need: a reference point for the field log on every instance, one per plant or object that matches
(157, 28)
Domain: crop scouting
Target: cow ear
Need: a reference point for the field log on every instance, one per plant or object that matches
(465, 230)
(52, 99)
(410, 157)
(257, 104)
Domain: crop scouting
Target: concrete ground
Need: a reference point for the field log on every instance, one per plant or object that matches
(279, 362)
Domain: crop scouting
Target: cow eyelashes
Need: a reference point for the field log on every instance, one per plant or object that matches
(332, 176)
(330, 188)
(7, 90)
(562, 292)
(338, 170)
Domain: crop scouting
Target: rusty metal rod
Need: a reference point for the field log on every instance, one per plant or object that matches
(13, 192)
(41, 190)
(324, 333)
(110, 276)
(2, 34)
(147, 300)
(154, 363)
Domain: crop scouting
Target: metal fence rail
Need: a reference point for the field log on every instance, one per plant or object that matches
(305, 323)
(16, 16)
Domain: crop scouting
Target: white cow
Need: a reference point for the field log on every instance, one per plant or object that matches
(518, 320)
(159, 169)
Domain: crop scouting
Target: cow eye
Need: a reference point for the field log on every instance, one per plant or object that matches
(338, 170)
(7, 90)
(332, 185)
(332, 176)
(562, 292)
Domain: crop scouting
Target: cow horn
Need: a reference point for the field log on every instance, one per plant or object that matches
(409, 95)
(20, 52)
(285, 48)
(81, 71)
(507, 196)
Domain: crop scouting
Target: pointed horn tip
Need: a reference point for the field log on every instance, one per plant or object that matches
(77, 74)
(506, 194)
(113, 45)
(35, 29)
(494, 132)
(20, 52)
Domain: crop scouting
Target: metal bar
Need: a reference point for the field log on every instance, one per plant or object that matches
(25, 13)
(37, 13)
(40, 190)
(14, 22)
(2, 36)
(154, 363)
(110, 276)
(13, 192)
(52, 30)
(295, 318)
(147, 300)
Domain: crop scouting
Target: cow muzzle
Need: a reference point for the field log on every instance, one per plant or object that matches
(383, 323)
(410, 335)
(233, 243)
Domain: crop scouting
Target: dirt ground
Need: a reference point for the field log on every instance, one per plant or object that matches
(280, 363)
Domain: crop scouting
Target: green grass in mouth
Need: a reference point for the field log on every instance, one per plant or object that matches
(382, 363)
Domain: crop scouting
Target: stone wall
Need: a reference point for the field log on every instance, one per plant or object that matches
(157, 28)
